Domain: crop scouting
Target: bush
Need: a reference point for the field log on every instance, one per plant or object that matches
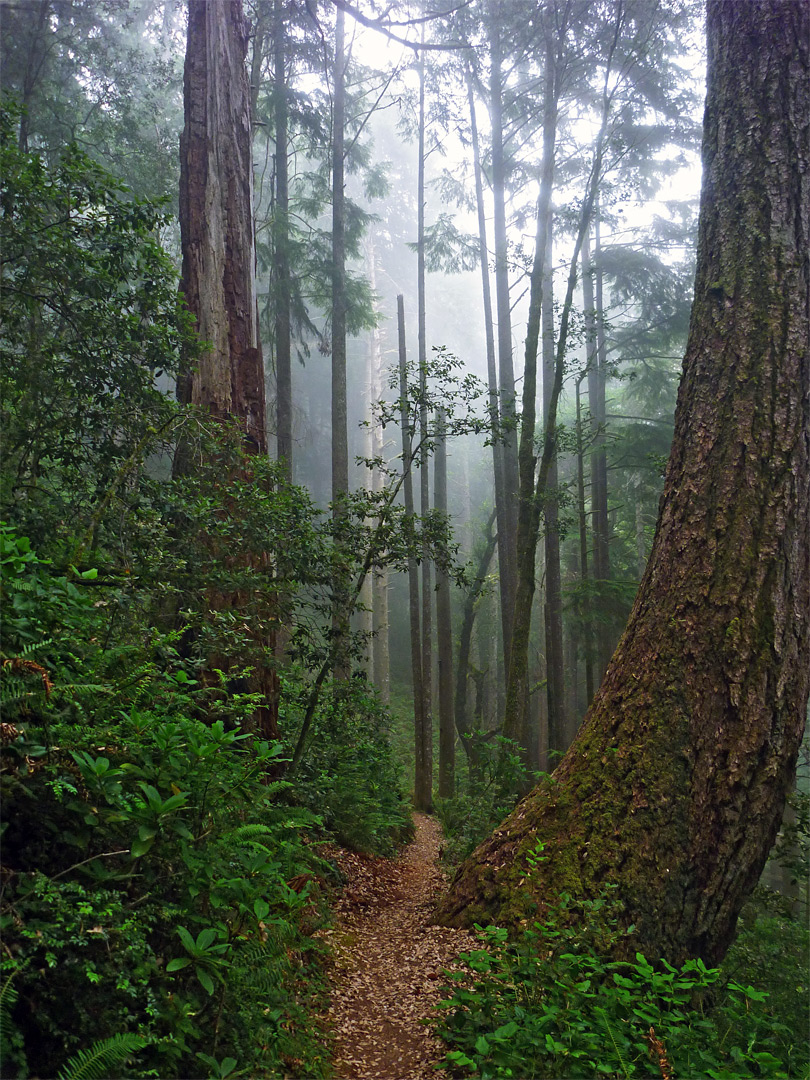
(550, 1005)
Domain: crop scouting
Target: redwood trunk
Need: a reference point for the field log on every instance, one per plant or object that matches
(218, 275)
(675, 786)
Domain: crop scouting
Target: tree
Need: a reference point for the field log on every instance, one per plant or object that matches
(675, 785)
(218, 278)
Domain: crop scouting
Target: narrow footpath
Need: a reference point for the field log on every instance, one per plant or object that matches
(388, 964)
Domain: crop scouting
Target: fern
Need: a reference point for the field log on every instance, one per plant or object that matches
(8, 998)
(98, 1062)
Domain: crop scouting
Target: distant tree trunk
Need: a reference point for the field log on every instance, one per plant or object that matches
(281, 244)
(340, 436)
(507, 535)
(560, 734)
(502, 531)
(423, 735)
(444, 628)
(468, 613)
(217, 237)
(424, 456)
(380, 668)
(585, 608)
(529, 504)
(675, 786)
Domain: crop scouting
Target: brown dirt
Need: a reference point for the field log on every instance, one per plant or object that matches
(388, 962)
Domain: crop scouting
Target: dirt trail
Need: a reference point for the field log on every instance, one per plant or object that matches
(388, 962)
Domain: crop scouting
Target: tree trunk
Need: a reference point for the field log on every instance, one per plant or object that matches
(507, 535)
(216, 219)
(424, 456)
(423, 742)
(340, 436)
(675, 785)
(218, 275)
(281, 244)
(468, 614)
(560, 734)
(444, 628)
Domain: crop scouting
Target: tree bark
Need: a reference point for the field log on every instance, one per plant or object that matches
(216, 219)
(675, 785)
(218, 273)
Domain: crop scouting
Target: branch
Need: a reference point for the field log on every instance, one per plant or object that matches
(374, 24)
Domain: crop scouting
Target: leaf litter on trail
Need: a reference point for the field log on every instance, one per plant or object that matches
(386, 974)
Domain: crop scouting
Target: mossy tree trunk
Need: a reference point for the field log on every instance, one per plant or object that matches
(675, 785)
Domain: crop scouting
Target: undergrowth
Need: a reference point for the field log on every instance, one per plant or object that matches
(549, 1005)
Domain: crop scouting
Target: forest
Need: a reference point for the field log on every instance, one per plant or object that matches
(405, 539)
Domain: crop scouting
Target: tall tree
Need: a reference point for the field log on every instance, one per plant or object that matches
(217, 236)
(423, 734)
(444, 627)
(675, 785)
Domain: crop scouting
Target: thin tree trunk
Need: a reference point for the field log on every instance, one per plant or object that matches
(559, 733)
(587, 626)
(601, 521)
(340, 437)
(503, 528)
(507, 536)
(423, 750)
(675, 786)
(281, 261)
(424, 456)
(444, 628)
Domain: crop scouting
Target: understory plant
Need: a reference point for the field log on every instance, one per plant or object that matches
(550, 1004)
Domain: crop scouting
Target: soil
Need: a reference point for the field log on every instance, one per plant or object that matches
(388, 966)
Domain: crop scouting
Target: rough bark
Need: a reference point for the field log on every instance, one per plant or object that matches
(675, 785)
(216, 219)
(218, 273)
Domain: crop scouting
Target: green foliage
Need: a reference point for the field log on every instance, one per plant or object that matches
(490, 781)
(102, 1059)
(549, 1004)
(91, 319)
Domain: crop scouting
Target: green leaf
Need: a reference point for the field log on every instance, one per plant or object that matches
(205, 938)
(178, 964)
(482, 1046)
(140, 848)
(205, 980)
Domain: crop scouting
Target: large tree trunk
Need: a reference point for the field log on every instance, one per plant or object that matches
(216, 219)
(675, 785)
(218, 277)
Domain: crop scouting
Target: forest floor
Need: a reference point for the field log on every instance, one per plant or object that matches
(387, 971)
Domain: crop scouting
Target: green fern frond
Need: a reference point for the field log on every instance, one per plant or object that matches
(98, 1062)
(8, 999)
